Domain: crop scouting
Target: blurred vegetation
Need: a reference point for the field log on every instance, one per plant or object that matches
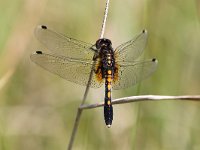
(37, 109)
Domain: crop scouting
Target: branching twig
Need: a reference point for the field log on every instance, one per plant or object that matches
(143, 98)
(79, 111)
(139, 99)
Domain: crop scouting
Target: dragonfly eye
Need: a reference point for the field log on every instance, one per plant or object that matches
(103, 43)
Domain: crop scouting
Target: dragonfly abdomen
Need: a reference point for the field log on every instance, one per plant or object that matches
(108, 109)
(108, 65)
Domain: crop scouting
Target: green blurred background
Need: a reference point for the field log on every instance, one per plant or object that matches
(37, 108)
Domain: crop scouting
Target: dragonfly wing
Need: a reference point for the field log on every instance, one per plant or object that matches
(62, 45)
(132, 49)
(130, 73)
(70, 69)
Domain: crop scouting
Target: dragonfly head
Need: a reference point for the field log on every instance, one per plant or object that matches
(103, 43)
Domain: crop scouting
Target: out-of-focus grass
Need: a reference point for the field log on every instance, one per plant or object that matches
(37, 109)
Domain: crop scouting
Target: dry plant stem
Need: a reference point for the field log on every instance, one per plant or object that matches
(75, 127)
(104, 19)
(144, 98)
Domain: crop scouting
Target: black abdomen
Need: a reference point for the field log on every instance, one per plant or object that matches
(108, 114)
(108, 73)
(108, 109)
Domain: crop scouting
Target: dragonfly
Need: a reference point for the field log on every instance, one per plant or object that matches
(74, 60)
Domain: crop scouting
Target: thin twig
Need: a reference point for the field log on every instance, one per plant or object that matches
(143, 98)
(104, 19)
(79, 111)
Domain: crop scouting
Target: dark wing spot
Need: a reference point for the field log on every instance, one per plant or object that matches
(38, 52)
(144, 31)
(43, 27)
(154, 59)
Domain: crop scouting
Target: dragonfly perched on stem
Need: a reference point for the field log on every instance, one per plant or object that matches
(73, 59)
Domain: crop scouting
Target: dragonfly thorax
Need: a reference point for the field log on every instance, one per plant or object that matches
(103, 43)
(104, 47)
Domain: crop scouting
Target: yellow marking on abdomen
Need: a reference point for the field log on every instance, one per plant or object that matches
(108, 102)
(109, 94)
(109, 86)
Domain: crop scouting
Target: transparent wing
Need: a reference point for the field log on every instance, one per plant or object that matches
(70, 69)
(132, 49)
(62, 45)
(130, 73)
